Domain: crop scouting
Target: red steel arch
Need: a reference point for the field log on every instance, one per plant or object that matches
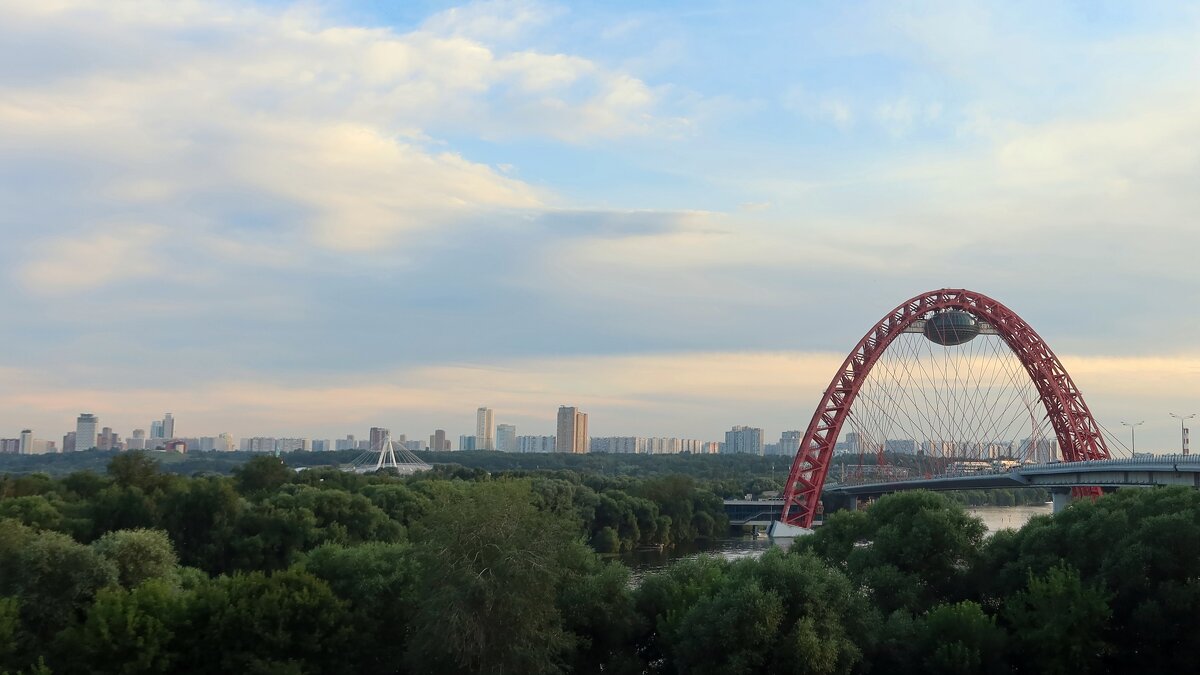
(1078, 434)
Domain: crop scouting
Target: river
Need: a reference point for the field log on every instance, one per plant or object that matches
(650, 560)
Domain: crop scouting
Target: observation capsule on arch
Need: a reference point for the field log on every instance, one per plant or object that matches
(951, 327)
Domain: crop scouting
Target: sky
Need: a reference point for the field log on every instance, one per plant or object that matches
(306, 219)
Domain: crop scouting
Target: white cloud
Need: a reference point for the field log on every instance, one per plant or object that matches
(118, 252)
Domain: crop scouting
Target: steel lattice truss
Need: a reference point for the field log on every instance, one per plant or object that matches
(1000, 395)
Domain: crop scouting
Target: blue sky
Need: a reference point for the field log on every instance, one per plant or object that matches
(677, 216)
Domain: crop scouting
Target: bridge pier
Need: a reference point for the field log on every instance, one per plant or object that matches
(1061, 498)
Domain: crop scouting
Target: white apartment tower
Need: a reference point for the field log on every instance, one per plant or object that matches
(506, 437)
(485, 429)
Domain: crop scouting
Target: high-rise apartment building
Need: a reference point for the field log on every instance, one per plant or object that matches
(347, 443)
(535, 444)
(742, 440)
(156, 431)
(379, 436)
(10, 446)
(466, 443)
(168, 426)
(26, 442)
(85, 431)
(108, 440)
(438, 441)
(485, 429)
(789, 443)
(506, 437)
(69, 442)
(136, 440)
(572, 430)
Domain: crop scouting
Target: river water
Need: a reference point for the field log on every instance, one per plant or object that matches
(648, 561)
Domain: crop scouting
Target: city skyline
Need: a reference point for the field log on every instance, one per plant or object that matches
(641, 228)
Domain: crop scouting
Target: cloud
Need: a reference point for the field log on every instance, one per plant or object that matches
(119, 252)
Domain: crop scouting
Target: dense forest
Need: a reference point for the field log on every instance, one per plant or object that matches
(459, 570)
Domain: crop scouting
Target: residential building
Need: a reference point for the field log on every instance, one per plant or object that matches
(742, 440)
(466, 442)
(347, 443)
(379, 436)
(535, 444)
(10, 446)
(156, 431)
(438, 441)
(168, 426)
(85, 431)
(789, 443)
(108, 440)
(572, 430)
(506, 437)
(69, 442)
(321, 445)
(26, 442)
(485, 429)
(137, 440)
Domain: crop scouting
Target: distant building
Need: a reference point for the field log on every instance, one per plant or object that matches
(41, 447)
(108, 440)
(789, 443)
(168, 426)
(438, 441)
(258, 444)
(321, 445)
(741, 440)
(415, 446)
(347, 443)
(535, 444)
(26, 442)
(137, 440)
(572, 430)
(466, 443)
(85, 431)
(156, 430)
(378, 436)
(69, 442)
(506, 437)
(177, 445)
(485, 429)
(10, 446)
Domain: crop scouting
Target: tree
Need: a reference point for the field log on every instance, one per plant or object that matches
(1058, 624)
(377, 581)
(200, 515)
(139, 555)
(125, 631)
(54, 577)
(35, 511)
(261, 475)
(912, 549)
(729, 632)
(960, 639)
(490, 565)
(138, 469)
(288, 622)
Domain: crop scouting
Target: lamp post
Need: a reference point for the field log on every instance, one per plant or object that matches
(1133, 434)
(1182, 430)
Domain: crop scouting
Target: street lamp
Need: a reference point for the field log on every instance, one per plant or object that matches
(1133, 434)
(1182, 431)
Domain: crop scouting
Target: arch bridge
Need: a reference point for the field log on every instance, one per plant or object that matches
(975, 379)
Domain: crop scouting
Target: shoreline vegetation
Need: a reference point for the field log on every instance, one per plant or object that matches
(466, 570)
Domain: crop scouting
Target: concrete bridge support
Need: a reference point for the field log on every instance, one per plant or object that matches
(1061, 498)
